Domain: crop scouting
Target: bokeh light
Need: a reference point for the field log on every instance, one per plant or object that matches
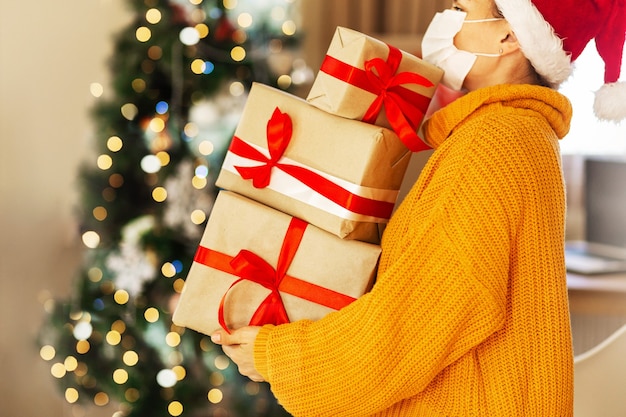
(151, 315)
(143, 34)
(175, 408)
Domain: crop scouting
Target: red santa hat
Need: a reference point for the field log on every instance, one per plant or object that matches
(552, 34)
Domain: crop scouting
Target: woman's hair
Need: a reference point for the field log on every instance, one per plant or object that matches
(540, 79)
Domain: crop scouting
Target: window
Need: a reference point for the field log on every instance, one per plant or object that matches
(588, 135)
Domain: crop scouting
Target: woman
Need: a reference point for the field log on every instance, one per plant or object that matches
(469, 314)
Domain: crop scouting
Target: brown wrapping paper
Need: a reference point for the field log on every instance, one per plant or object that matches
(354, 48)
(345, 266)
(359, 153)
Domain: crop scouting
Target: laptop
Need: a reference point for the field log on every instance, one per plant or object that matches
(604, 248)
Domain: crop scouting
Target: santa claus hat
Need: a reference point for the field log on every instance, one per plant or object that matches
(552, 34)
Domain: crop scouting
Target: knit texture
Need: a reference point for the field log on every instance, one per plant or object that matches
(469, 315)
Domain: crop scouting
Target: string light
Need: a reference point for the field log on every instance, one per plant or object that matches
(47, 352)
(164, 158)
(138, 85)
(175, 408)
(166, 378)
(151, 315)
(284, 81)
(189, 36)
(113, 338)
(120, 376)
(131, 395)
(143, 34)
(95, 274)
(230, 4)
(82, 330)
(129, 111)
(199, 182)
(121, 297)
(221, 362)
(178, 285)
(150, 164)
(101, 399)
(237, 89)
(238, 54)
(71, 395)
(130, 358)
(180, 372)
(104, 162)
(216, 379)
(172, 339)
(162, 107)
(289, 28)
(91, 239)
(82, 347)
(245, 20)
(96, 89)
(70, 364)
(159, 194)
(153, 16)
(203, 30)
(206, 147)
(168, 270)
(215, 396)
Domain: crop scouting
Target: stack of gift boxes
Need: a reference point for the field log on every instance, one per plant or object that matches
(307, 187)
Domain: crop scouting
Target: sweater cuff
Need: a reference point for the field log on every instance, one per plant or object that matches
(260, 351)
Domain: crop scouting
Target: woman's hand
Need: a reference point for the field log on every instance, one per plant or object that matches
(239, 347)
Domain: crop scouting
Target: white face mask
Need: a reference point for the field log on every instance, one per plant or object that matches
(438, 47)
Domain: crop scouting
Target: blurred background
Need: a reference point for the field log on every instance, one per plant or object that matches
(55, 69)
(113, 117)
(49, 56)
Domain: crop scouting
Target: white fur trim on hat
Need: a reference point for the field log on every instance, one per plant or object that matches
(539, 42)
(609, 102)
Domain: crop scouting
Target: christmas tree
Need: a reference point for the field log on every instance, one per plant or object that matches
(181, 71)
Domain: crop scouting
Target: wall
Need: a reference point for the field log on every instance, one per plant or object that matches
(398, 21)
(50, 52)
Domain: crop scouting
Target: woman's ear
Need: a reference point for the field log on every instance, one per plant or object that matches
(509, 43)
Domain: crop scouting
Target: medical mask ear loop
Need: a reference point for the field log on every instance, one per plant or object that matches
(491, 19)
(499, 54)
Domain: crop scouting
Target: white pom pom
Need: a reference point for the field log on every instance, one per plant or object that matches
(610, 102)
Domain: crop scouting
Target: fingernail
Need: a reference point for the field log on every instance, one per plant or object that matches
(216, 337)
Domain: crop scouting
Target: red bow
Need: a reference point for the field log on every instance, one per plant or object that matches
(250, 267)
(279, 131)
(404, 108)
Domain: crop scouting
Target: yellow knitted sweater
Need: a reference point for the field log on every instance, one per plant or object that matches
(469, 314)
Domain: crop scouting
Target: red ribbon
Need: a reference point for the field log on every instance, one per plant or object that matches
(279, 132)
(250, 267)
(405, 109)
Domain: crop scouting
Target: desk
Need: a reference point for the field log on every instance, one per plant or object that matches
(597, 294)
(597, 307)
(604, 283)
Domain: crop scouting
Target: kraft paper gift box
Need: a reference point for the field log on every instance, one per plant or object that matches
(253, 261)
(363, 78)
(340, 175)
